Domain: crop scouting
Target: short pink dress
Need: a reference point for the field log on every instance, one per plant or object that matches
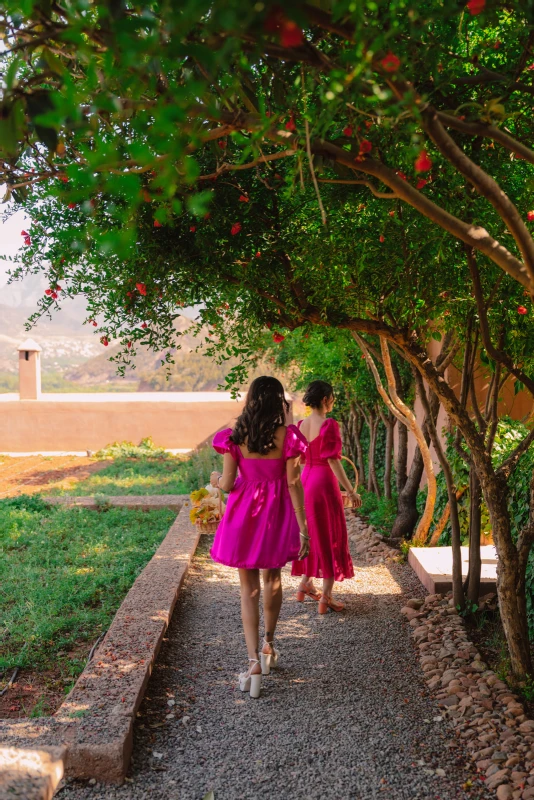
(329, 547)
(259, 529)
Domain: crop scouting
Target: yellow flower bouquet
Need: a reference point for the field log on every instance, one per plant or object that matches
(207, 508)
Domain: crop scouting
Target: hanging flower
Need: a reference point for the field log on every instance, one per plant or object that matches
(382, 238)
(421, 183)
(144, 325)
(521, 310)
(258, 254)
(72, 205)
(290, 34)
(365, 146)
(95, 324)
(235, 229)
(347, 131)
(390, 62)
(244, 199)
(476, 6)
(129, 344)
(193, 228)
(423, 163)
(48, 291)
(141, 288)
(290, 125)
(157, 223)
(368, 123)
(278, 337)
(391, 213)
(104, 340)
(530, 216)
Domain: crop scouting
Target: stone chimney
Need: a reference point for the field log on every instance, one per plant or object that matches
(29, 370)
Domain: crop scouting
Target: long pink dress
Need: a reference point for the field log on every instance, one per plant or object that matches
(329, 548)
(259, 529)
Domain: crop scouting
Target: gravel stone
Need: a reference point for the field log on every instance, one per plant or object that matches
(347, 714)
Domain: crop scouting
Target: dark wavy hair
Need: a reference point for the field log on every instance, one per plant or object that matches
(265, 410)
(316, 392)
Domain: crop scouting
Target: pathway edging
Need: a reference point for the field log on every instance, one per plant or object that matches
(95, 722)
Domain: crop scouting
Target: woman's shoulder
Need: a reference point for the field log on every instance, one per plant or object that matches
(295, 443)
(329, 426)
(222, 442)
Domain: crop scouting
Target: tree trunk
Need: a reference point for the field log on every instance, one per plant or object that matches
(388, 458)
(373, 480)
(357, 431)
(475, 564)
(401, 463)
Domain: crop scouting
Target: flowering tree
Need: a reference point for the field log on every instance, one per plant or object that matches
(358, 169)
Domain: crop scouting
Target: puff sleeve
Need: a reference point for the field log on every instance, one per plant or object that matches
(295, 443)
(330, 440)
(222, 444)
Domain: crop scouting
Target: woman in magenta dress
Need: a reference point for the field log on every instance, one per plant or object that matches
(329, 556)
(264, 525)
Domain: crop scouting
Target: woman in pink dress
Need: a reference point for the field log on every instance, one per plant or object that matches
(264, 525)
(329, 556)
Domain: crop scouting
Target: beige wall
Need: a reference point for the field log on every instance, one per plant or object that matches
(48, 425)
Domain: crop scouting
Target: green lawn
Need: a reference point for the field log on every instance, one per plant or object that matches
(63, 574)
(137, 470)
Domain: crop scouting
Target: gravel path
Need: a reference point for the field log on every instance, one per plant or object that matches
(346, 715)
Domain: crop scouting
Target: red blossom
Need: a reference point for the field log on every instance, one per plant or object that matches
(193, 228)
(476, 6)
(290, 125)
(390, 62)
(129, 344)
(27, 240)
(244, 199)
(221, 143)
(24, 233)
(278, 337)
(63, 178)
(347, 131)
(157, 223)
(53, 295)
(530, 216)
(421, 183)
(258, 254)
(48, 291)
(236, 228)
(290, 34)
(368, 123)
(391, 213)
(58, 288)
(144, 325)
(382, 238)
(531, 66)
(104, 340)
(521, 310)
(365, 146)
(267, 113)
(72, 205)
(497, 45)
(423, 163)
(129, 294)
(141, 288)
(95, 324)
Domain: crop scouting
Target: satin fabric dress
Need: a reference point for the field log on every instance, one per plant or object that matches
(259, 529)
(329, 547)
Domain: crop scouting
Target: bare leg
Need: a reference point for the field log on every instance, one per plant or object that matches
(250, 611)
(328, 585)
(272, 602)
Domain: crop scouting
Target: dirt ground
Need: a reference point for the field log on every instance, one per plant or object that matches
(31, 474)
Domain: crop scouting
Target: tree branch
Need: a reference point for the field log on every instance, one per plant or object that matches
(488, 132)
(384, 195)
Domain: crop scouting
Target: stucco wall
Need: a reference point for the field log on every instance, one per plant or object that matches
(58, 424)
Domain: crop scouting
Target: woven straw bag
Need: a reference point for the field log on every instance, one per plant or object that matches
(347, 502)
(212, 525)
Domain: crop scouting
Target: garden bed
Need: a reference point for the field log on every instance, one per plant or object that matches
(63, 574)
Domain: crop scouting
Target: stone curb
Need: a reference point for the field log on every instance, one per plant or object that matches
(30, 774)
(143, 502)
(95, 722)
(487, 716)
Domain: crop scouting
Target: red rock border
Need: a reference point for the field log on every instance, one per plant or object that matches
(29, 774)
(95, 722)
(487, 716)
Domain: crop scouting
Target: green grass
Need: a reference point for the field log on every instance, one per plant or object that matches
(63, 574)
(139, 470)
(380, 512)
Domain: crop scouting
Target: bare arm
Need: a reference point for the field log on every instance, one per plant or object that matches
(296, 492)
(337, 468)
(227, 479)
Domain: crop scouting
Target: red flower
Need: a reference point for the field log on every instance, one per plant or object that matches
(290, 125)
(290, 34)
(129, 294)
(521, 310)
(476, 6)
(365, 146)
(144, 325)
(63, 178)
(347, 131)
(157, 223)
(497, 45)
(401, 175)
(221, 143)
(236, 228)
(278, 337)
(141, 288)
(423, 163)
(72, 205)
(391, 213)
(267, 113)
(421, 183)
(193, 228)
(258, 254)
(129, 345)
(27, 240)
(59, 289)
(95, 324)
(244, 199)
(104, 340)
(530, 216)
(368, 123)
(24, 233)
(53, 295)
(48, 291)
(382, 238)
(391, 62)
(531, 66)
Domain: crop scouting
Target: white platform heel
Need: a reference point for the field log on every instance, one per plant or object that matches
(269, 661)
(250, 683)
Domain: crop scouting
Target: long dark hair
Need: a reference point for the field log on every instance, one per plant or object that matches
(316, 393)
(265, 410)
